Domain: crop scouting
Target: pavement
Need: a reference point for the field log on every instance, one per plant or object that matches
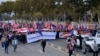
(33, 49)
(53, 48)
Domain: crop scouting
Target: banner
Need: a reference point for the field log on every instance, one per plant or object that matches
(67, 34)
(48, 35)
(33, 37)
(22, 30)
(64, 34)
(37, 36)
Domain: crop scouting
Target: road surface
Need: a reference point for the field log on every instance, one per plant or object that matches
(61, 43)
(33, 49)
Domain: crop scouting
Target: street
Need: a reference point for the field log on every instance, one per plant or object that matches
(33, 49)
(61, 43)
(53, 48)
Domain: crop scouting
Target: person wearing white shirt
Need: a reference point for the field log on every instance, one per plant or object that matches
(95, 50)
(15, 43)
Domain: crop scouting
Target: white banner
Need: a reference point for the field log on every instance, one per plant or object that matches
(33, 37)
(36, 36)
(48, 35)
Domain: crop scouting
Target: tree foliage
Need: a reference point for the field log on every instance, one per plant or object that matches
(47, 8)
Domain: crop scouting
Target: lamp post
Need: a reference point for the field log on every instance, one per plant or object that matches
(85, 3)
(58, 4)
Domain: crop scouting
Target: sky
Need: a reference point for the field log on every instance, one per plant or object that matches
(5, 0)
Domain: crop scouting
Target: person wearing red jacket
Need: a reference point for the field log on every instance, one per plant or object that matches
(70, 47)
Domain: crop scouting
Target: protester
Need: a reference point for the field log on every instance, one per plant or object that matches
(0, 36)
(43, 44)
(80, 39)
(95, 50)
(3, 39)
(84, 48)
(23, 38)
(93, 32)
(19, 37)
(6, 45)
(10, 37)
(57, 35)
(68, 38)
(72, 32)
(15, 43)
(74, 45)
(70, 47)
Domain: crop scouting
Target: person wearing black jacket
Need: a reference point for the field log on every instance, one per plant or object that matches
(57, 35)
(43, 44)
(6, 45)
(80, 39)
(0, 36)
(23, 38)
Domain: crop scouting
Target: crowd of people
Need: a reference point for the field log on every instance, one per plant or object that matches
(72, 46)
(9, 37)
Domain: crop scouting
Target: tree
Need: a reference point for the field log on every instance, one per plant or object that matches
(47, 8)
(6, 7)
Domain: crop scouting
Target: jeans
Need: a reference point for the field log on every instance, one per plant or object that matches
(3, 44)
(6, 50)
(74, 48)
(15, 47)
(43, 49)
(95, 53)
(70, 52)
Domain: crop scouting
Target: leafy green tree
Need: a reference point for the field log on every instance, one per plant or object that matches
(47, 8)
(6, 7)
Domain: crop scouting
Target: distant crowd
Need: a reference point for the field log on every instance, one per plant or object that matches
(13, 34)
